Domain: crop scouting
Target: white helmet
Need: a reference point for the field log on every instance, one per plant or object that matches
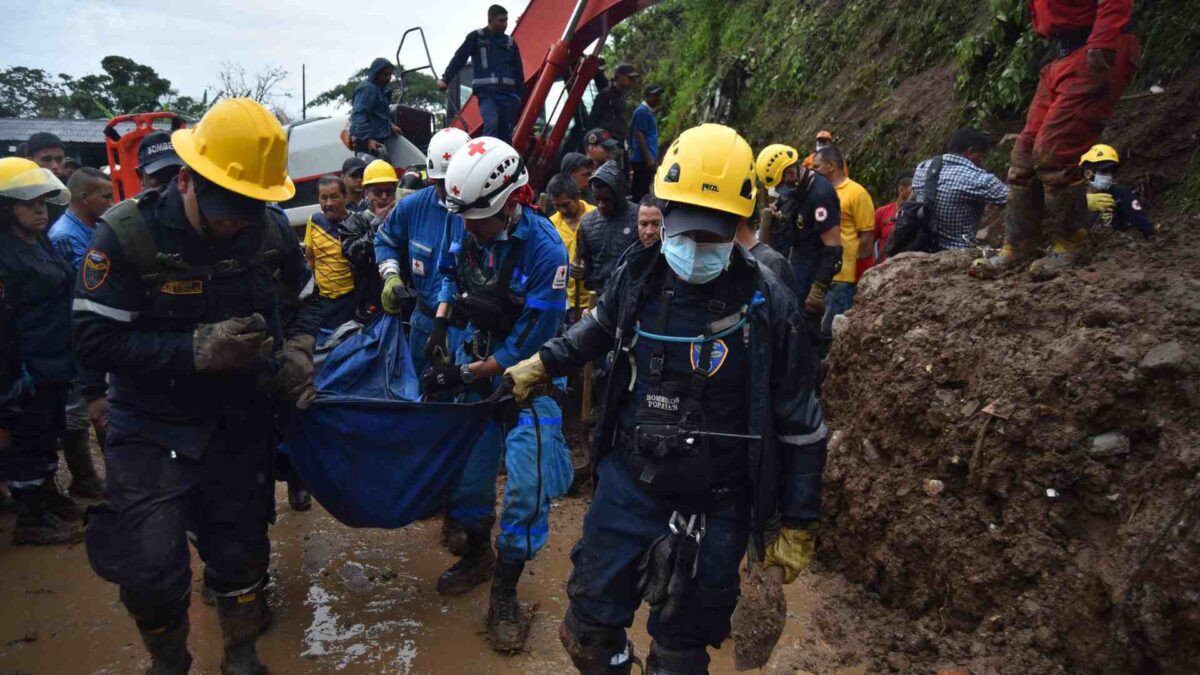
(442, 147)
(481, 176)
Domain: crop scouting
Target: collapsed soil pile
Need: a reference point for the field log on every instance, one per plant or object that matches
(1015, 463)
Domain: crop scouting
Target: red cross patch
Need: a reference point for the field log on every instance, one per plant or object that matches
(454, 190)
(446, 156)
(476, 148)
(508, 179)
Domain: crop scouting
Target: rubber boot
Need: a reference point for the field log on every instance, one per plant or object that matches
(454, 535)
(37, 525)
(1066, 218)
(241, 623)
(676, 662)
(59, 504)
(474, 568)
(299, 498)
(77, 450)
(168, 649)
(1022, 216)
(507, 624)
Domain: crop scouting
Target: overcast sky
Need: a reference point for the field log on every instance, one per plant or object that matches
(186, 42)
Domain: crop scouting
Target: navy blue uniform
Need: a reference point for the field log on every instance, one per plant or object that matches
(1128, 212)
(498, 79)
(809, 210)
(35, 283)
(760, 380)
(186, 451)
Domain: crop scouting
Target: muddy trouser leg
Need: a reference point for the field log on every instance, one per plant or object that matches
(621, 524)
(34, 450)
(539, 469)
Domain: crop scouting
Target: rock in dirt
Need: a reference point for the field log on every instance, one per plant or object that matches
(759, 618)
(1166, 359)
(1108, 445)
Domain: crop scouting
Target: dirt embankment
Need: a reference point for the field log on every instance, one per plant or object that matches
(1016, 463)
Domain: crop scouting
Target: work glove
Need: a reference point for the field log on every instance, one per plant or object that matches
(792, 552)
(294, 381)
(440, 377)
(814, 304)
(393, 291)
(436, 349)
(1100, 201)
(525, 378)
(231, 344)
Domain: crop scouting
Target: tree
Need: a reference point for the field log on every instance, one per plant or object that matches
(124, 87)
(420, 91)
(31, 92)
(264, 86)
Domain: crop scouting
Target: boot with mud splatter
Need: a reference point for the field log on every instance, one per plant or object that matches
(58, 503)
(1066, 218)
(454, 536)
(77, 450)
(474, 568)
(507, 624)
(168, 649)
(241, 623)
(1022, 216)
(37, 524)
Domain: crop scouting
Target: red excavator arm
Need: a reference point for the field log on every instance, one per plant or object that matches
(553, 36)
(122, 148)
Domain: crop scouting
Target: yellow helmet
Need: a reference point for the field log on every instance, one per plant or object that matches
(23, 180)
(240, 146)
(709, 166)
(379, 171)
(772, 162)
(1100, 154)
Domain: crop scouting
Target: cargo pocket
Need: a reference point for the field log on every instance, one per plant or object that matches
(107, 548)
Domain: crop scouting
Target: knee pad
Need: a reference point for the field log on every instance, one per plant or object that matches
(663, 661)
(155, 611)
(591, 648)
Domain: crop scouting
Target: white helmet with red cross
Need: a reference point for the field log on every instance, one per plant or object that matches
(481, 176)
(442, 147)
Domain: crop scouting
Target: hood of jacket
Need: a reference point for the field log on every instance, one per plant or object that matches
(377, 66)
(609, 174)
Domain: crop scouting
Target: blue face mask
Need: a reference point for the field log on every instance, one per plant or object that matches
(696, 263)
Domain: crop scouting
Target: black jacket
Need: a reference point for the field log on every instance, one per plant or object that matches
(785, 470)
(608, 112)
(606, 238)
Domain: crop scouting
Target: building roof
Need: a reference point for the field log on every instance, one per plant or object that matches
(70, 131)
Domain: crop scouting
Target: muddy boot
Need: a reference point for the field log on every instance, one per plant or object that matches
(1066, 216)
(1022, 217)
(677, 662)
(299, 498)
(454, 536)
(241, 623)
(77, 450)
(473, 569)
(59, 504)
(507, 624)
(37, 525)
(168, 650)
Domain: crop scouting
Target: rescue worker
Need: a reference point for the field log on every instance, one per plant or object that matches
(358, 234)
(702, 343)
(1096, 55)
(498, 78)
(157, 162)
(177, 301)
(35, 289)
(1109, 204)
(803, 221)
(407, 249)
(509, 290)
(608, 230)
(91, 195)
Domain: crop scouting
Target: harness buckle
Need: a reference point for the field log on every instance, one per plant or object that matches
(716, 306)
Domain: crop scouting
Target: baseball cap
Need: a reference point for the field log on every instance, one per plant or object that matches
(654, 89)
(217, 202)
(628, 70)
(824, 135)
(679, 218)
(601, 137)
(353, 165)
(155, 152)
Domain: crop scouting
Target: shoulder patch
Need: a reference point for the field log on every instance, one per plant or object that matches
(95, 269)
(821, 214)
(560, 278)
(1136, 204)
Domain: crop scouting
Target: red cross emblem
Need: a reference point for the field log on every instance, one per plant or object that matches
(446, 156)
(476, 148)
(454, 190)
(508, 179)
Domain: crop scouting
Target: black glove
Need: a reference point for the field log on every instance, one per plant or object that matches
(436, 349)
(438, 378)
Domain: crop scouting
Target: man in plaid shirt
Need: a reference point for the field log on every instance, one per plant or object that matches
(963, 189)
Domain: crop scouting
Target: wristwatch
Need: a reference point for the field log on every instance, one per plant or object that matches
(465, 374)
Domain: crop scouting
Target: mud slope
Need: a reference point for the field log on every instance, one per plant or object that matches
(1016, 462)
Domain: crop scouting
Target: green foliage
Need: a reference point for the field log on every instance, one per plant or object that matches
(997, 68)
(420, 91)
(124, 86)
(31, 92)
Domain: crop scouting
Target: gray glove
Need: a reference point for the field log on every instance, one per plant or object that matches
(294, 380)
(231, 344)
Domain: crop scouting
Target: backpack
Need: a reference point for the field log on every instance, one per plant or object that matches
(916, 222)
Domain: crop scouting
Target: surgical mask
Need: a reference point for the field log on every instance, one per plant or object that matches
(1102, 181)
(696, 263)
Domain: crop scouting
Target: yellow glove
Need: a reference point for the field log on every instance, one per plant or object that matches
(792, 552)
(526, 376)
(814, 304)
(1100, 201)
(393, 290)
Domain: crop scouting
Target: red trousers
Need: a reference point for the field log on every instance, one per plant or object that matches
(1068, 114)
